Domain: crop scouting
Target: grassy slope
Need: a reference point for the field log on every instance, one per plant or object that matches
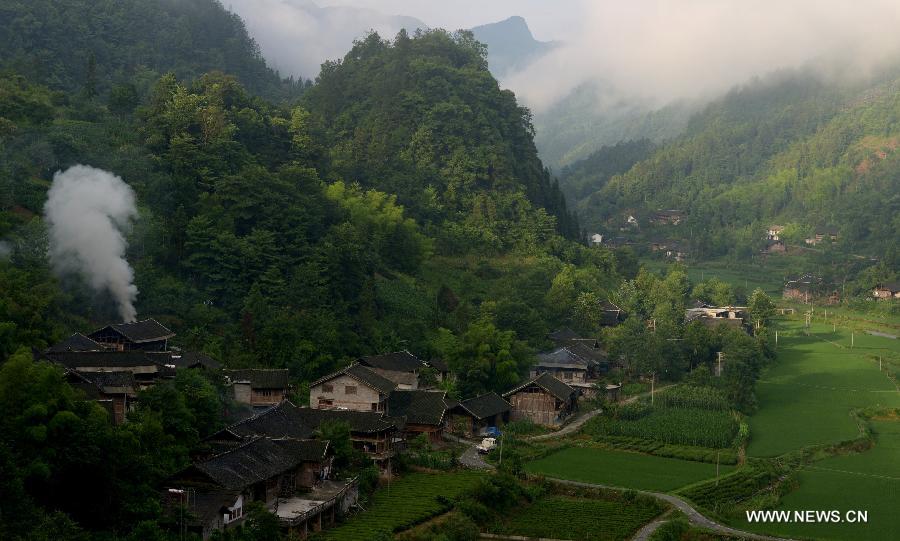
(807, 397)
(631, 470)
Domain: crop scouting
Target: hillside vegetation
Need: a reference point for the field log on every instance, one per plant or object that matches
(789, 149)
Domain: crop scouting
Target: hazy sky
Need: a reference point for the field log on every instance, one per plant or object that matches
(548, 19)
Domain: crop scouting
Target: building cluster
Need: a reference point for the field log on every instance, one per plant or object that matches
(276, 455)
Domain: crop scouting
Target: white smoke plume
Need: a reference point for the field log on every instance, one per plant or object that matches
(87, 210)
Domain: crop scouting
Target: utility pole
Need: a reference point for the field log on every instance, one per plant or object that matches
(652, 385)
(852, 337)
(719, 371)
(717, 468)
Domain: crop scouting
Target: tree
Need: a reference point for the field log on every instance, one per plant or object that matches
(761, 308)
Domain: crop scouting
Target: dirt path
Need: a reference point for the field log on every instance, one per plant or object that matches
(693, 515)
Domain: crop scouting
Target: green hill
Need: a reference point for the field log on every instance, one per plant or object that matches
(790, 149)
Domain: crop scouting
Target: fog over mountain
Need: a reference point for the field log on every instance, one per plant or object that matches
(595, 73)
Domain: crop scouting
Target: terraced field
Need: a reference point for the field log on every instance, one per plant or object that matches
(806, 398)
(868, 481)
(407, 501)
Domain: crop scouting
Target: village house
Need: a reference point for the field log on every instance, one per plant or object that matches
(257, 387)
(406, 370)
(887, 290)
(276, 472)
(472, 416)
(76, 342)
(823, 234)
(115, 391)
(676, 252)
(713, 316)
(145, 335)
(565, 365)
(667, 217)
(543, 400)
(774, 232)
(597, 239)
(144, 368)
(370, 432)
(803, 288)
(355, 387)
(422, 412)
(611, 315)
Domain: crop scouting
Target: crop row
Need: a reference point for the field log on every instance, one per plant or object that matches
(668, 450)
(692, 396)
(732, 489)
(683, 426)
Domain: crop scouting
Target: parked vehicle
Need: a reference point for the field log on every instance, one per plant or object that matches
(486, 446)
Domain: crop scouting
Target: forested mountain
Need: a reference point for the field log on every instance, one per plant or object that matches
(592, 116)
(791, 149)
(89, 47)
(511, 46)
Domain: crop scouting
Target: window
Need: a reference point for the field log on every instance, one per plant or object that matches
(325, 403)
(374, 407)
(327, 388)
(350, 389)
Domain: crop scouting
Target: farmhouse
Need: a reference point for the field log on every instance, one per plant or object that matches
(76, 342)
(667, 217)
(115, 391)
(887, 290)
(803, 288)
(822, 234)
(543, 400)
(145, 335)
(260, 388)
(355, 387)
(423, 412)
(470, 417)
(572, 364)
(145, 368)
(774, 232)
(597, 239)
(405, 369)
(370, 432)
(216, 490)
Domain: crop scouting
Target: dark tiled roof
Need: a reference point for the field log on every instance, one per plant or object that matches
(891, 286)
(207, 506)
(102, 359)
(591, 354)
(281, 421)
(76, 342)
(398, 361)
(364, 375)
(418, 407)
(550, 384)
(111, 382)
(439, 364)
(485, 405)
(253, 462)
(362, 422)
(191, 359)
(563, 334)
(147, 330)
(260, 378)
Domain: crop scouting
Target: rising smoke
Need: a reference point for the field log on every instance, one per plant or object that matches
(87, 210)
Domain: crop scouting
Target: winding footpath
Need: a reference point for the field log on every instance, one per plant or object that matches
(693, 515)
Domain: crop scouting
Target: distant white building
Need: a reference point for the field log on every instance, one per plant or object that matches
(596, 239)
